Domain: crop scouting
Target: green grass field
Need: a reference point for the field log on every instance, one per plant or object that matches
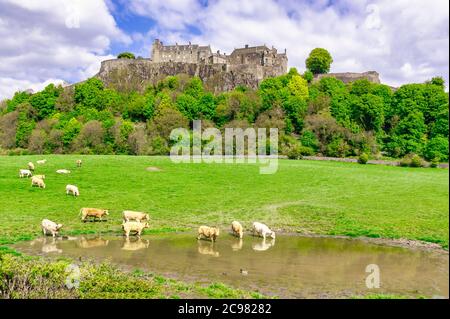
(303, 196)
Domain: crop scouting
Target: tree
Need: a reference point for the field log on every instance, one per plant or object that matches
(90, 136)
(44, 102)
(18, 98)
(439, 81)
(436, 148)
(319, 61)
(126, 55)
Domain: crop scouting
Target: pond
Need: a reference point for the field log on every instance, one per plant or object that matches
(288, 267)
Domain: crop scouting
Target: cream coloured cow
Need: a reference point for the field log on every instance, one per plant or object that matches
(208, 233)
(36, 181)
(262, 230)
(41, 161)
(134, 227)
(63, 171)
(237, 229)
(93, 212)
(25, 173)
(49, 227)
(79, 162)
(40, 176)
(72, 189)
(31, 166)
(132, 215)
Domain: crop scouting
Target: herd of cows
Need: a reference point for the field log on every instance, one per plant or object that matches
(133, 222)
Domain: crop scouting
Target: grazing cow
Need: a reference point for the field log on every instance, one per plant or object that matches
(79, 162)
(63, 171)
(138, 216)
(93, 212)
(237, 229)
(262, 230)
(40, 176)
(31, 166)
(134, 227)
(133, 245)
(206, 248)
(50, 227)
(38, 182)
(262, 246)
(92, 242)
(208, 233)
(41, 161)
(25, 173)
(72, 189)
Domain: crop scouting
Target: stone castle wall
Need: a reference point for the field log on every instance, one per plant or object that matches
(348, 77)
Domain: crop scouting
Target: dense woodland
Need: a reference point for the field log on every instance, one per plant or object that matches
(326, 118)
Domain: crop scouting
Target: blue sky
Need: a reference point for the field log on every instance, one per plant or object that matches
(64, 40)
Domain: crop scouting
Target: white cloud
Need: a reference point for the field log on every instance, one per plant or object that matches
(53, 40)
(381, 35)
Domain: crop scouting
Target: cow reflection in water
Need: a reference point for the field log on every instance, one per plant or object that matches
(207, 248)
(263, 245)
(92, 242)
(237, 244)
(135, 244)
(49, 246)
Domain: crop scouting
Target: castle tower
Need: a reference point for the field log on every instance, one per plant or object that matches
(156, 50)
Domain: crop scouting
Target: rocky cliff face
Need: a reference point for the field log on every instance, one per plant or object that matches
(126, 75)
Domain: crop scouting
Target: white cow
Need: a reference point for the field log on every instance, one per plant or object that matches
(72, 189)
(41, 161)
(25, 173)
(50, 227)
(63, 171)
(262, 230)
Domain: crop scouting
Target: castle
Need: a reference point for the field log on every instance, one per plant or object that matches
(246, 66)
(193, 53)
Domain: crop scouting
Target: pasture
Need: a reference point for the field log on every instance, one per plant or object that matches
(303, 196)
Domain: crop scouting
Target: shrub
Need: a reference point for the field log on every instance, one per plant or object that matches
(126, 55)
(363, 158)
(434, 162)
(405, 161)
(416, 161)
(294, 152)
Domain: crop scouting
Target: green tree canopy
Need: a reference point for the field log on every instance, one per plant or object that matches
(319, 61)
(126, 55)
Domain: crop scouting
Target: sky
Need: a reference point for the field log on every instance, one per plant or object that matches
(56, 41)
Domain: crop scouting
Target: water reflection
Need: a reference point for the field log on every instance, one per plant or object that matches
(49, 246)
(92, 242)
(263, 245)
(237, 244)
(207, 248)
(135, 244)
